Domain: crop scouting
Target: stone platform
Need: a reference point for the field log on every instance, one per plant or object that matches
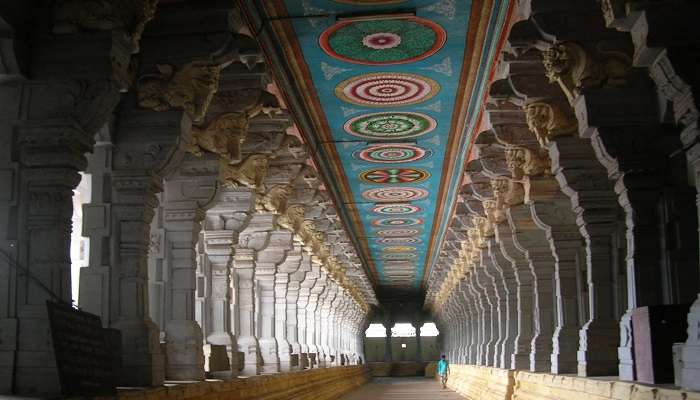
(315, 384)
(485, 383)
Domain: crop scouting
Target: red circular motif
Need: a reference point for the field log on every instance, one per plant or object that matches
(393, 89)
(394, 194)
(392, 153)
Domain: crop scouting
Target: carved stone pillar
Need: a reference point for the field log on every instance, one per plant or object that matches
(507, 286)
(565, 242)
(417, 325)
(533, 244)
(283, 292)
(388, 324)
(244, 270)
(35, 228)
(267, 260)
(223, 223)
(313, 320)
(293, 306)
(481, 286)
(520, 359)
(93, 295)
(182, 222)
(304, 293)
(584, 181)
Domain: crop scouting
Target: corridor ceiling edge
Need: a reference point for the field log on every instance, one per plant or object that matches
(274, 28)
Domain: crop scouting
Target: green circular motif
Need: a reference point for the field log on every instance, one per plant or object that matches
(385, 41)
(400, 125)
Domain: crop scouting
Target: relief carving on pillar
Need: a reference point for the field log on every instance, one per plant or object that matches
(292, 218)
(548, 120)
(275, 200)
(293, 146)
(507, 192)
(493, 212)
(190, 87)
(223, 136)
(569, 65)
(522, 162)
(72, 16)
(249, 173)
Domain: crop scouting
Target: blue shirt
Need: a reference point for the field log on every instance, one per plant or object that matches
(442, 367)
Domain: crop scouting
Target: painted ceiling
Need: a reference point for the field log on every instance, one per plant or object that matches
(393, 88)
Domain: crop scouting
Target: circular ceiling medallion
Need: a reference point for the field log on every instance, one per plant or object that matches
(394, 175)
(396, 209)
(392, 153)
(390, 125)
(390, 89)
(399, 256)
(398, 240)
(399, 249)
(397, 222)
(394, 194)
(398, 232)
(383, 41)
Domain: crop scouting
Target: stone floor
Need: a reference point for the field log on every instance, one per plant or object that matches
(402, 389)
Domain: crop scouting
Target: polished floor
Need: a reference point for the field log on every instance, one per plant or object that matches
(403, 389)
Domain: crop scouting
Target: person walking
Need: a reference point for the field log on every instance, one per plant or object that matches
(443, 369)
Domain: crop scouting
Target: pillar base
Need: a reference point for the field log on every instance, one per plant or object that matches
(597, 355)
(143, 362)
(270, 358)
(564, 357)
(216, 359)
(185, 354)
(250, 349)
(690, 351)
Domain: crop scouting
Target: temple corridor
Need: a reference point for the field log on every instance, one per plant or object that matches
(318, 199)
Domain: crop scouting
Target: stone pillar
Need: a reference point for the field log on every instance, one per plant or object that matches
(304, 292)
(507, 286)
(555, 218)
(133, 201)
(583, 180)
(321, 318)
(489, 284)
(488, 317)
(93, 295)
(182, 222)
(532, 243)
(284, 290)
(35, 226)
(387, 341)
(293, 309)
(520, 359)
(223, 223)
(267, 260)
(313, 320)
(248, 347)
(418, 324)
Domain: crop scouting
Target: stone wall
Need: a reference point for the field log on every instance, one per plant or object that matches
(316, 384)
(484, 383)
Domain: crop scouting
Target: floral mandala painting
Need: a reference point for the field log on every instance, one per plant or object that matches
(383, 41)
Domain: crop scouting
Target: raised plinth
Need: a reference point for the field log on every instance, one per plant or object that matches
(485, 383)
(316, 384)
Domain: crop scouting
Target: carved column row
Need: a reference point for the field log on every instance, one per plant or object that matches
(578, 167)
